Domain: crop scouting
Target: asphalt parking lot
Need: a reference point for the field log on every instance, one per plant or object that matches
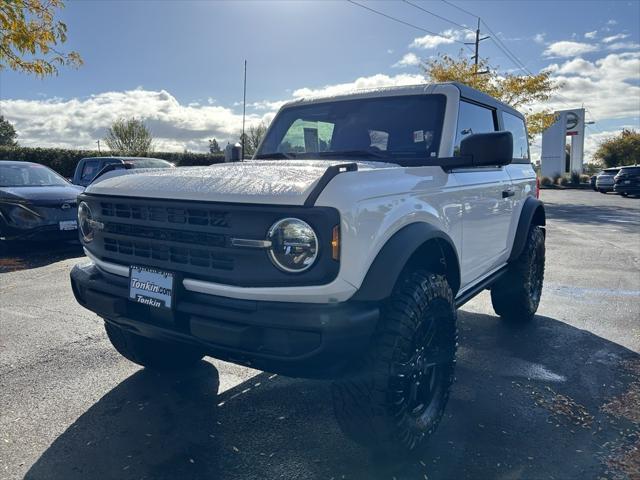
(557, 399)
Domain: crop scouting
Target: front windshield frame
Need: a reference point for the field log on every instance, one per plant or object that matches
(61, 181)
(434, 104)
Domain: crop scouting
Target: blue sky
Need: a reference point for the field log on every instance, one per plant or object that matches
(178, 64)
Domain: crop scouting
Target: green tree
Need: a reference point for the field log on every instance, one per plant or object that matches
(253, 138)
(620, 150)
(129, 137)
(519, 91)
(7, 133)
(213, 146)
(31, 35)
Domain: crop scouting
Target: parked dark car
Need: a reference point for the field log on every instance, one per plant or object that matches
(88, 168)
(627, 181)
(604, 182)
(36, 203)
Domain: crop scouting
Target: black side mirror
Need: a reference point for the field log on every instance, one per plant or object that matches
(488, 149)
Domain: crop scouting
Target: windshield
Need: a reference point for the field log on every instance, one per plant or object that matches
(395, 129)
(29, 175)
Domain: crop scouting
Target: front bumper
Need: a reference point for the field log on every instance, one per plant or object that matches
(629, 188)
(607, 187)
(43, 232)
(302, 340)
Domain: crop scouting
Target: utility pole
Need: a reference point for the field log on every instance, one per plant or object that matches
(476, 57)
(244, 109)
(98, 142)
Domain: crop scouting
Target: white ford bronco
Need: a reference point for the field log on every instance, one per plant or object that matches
(341, 250)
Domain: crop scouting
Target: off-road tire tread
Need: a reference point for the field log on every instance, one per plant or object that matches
(360, 398)
(509, 295)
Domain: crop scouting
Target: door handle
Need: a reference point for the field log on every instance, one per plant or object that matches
(508, 193)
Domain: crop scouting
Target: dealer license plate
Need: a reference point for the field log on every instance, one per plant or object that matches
(627, 181)
(151, 287)
(68, 224)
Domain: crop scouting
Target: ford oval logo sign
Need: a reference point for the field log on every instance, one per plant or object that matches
(65, 206)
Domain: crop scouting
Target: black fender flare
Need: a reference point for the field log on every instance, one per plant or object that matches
(532, 214)
(392, 258)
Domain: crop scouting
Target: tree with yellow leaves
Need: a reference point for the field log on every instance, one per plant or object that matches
(518, 91)
(30, 37)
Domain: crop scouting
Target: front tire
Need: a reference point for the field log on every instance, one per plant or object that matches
(394, 399)
(153, 354)
(516, 295)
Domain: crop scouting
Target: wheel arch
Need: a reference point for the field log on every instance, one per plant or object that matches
(532, 213)
(417, 245)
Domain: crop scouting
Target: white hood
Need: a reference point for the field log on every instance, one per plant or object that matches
(284, 182)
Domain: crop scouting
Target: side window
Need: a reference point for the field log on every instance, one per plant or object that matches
(473, 118)
(515, 125)
(307, 136)
(89, 170)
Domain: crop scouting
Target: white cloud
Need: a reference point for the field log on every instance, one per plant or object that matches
(408, 60)
(612, 22)
(591, 35)
(78, 123)
(374, 81)
(624, 46)
(567, 48)
(613, 38)
(607, 87)
(431, 41)
(539, 38)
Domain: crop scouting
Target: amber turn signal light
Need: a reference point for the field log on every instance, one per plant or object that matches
(335, 243)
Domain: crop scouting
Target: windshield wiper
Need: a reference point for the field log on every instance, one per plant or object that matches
(275, 155)
(353, 153)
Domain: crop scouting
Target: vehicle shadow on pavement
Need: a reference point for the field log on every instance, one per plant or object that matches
(545, 400)
(26, 255)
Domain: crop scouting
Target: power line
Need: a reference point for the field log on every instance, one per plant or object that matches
(400, 21)
(437, 16)
(461, 9)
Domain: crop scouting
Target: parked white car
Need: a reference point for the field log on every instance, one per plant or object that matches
(606, 180)
(342, 250)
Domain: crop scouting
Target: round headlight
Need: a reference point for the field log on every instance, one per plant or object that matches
(294, 245)
(85, 222)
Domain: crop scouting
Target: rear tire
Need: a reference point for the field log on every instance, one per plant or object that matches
(153, 354)
(624, 194)
(516, 295)
(394, 399)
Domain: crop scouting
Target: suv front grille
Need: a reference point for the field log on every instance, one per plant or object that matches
(194, 239)
(166, 234)
(174, 255)
(181, 216)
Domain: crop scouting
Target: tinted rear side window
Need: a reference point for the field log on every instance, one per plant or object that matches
(516, 126)
(472, 119)
(631, 170)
